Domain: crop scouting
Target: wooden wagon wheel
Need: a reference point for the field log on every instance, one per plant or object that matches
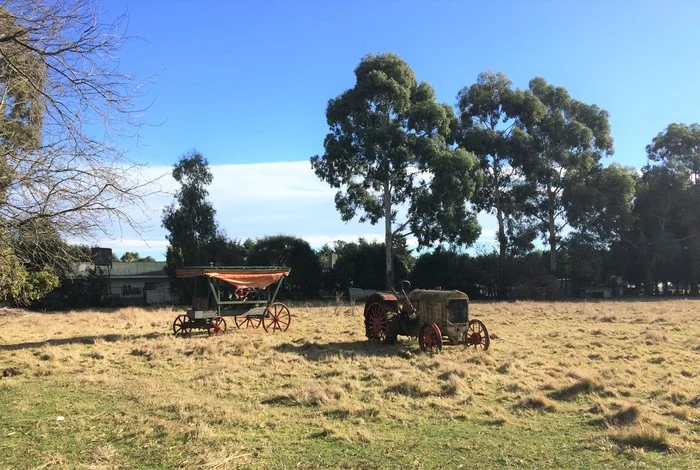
(244, 321)
(181, 325)
(377, 322)
(276, 317)
(217, 326)
(477, 335)
(430, 338)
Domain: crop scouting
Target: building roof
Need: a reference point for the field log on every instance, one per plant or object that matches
(154, 269)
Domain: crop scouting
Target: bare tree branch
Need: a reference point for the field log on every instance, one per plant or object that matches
(65, 109)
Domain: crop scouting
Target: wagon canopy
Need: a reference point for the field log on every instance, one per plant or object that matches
(258, 278)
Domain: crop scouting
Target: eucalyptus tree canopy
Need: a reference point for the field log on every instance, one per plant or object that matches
(562, 141)
(655, 212)
(389, 144)
(599, 204)
(294, 253)
(190, 219)
(678, 149)
(489, 111)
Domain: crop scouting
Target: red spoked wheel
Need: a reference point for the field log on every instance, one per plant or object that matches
(276, 318)
(244, 321)
(181, 325)
(217, 326)
(430, 338)
(377, 322)
(477, 335)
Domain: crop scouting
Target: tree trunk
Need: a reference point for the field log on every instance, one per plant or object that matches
(502, 242)
(552, 232)
(648, 278)
(552, 246)
(388, 239)
(693, 271)
(647, 264)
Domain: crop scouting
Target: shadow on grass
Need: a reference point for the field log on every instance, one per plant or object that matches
(583, 386)
(321, 351)
(110, 338)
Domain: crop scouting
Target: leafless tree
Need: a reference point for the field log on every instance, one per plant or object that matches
(66, 111)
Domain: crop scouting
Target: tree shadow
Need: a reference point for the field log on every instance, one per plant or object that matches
(315, 352)
(110, 338)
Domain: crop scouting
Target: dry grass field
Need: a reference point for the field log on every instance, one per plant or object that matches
(564, 385)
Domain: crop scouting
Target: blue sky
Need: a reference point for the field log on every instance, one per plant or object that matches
(248, 82)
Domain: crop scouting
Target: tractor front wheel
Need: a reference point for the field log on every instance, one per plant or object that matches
(430, 338)
(477, 335)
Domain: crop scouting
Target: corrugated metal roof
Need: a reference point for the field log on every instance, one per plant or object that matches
(138, 268)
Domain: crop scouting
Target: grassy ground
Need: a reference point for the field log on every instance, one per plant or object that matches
(574, 385)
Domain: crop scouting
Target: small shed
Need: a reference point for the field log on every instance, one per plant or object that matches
(140, 283)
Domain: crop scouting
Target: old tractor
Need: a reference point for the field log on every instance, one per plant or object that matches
(429, 315)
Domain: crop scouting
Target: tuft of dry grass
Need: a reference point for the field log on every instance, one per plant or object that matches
(584, 385)
(407, 389)
(504, 368)
(627, 415)
(536, 402)
(645, 437)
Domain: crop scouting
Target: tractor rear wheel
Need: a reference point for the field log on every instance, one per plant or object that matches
(430, 338)
(379, 323)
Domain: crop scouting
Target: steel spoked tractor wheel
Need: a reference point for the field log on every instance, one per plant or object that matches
(477, 335)
(276, 318)
(217, 326)
(244, 321)
(430, 338)
(377, 322)
(181, 325)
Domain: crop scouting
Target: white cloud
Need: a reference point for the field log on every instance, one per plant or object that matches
(255, 200)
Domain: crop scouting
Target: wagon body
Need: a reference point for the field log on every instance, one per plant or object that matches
(244, 293)
(429, 315)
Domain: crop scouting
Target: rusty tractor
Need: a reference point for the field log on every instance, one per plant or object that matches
(429, 315)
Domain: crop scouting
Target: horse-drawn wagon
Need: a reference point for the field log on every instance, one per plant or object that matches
(243, 293)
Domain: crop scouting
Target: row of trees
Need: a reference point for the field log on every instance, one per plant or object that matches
(531, 157)
(650, 246)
